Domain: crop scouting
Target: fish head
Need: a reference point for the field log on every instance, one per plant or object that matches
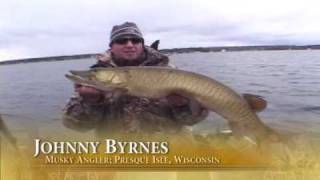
(110, 77)
(101, 78)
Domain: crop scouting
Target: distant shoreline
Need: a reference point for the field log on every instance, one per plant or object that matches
(170, 51)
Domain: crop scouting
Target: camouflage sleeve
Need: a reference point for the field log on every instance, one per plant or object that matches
(81, 116)
(184, 115)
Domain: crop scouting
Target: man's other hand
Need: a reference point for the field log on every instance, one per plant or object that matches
(177, 100)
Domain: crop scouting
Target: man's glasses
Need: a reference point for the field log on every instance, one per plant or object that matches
(123, 41)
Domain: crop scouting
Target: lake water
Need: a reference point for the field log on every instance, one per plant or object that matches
(288, 80)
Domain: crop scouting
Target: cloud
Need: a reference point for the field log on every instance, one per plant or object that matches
(57, 27)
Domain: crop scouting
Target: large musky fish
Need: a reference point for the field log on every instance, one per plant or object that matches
(157, 82)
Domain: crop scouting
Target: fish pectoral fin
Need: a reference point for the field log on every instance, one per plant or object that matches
(83, 74)
(115, 94)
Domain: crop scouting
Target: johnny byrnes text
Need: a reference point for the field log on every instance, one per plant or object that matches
(109, 146)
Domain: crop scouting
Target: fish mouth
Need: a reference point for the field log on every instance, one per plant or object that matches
(79, 80)
(83, 78)
(82, 74)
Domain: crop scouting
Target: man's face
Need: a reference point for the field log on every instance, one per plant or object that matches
(127, 48)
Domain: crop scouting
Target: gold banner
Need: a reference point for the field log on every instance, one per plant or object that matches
(178, 156)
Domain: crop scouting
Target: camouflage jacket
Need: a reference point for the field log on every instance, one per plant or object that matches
(129, 114)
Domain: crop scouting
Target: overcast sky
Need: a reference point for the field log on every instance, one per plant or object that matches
(36, 28)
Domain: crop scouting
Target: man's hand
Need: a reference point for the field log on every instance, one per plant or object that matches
(92, 95)
(89, 94)
(177, 100)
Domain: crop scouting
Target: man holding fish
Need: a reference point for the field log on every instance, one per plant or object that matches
(116, 111)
